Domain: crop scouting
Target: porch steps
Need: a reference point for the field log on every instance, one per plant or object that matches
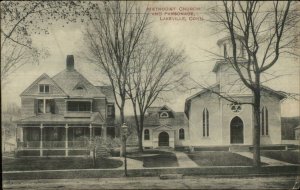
(102, 151)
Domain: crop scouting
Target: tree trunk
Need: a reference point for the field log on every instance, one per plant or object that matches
(122, 149)
(94, 157)
(256, 128)
(140, 135)
(140, 139)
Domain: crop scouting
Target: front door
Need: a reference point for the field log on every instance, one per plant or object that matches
(236, 131)
(163, 139)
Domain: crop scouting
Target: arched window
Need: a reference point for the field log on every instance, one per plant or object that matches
(164, 115)
(205, 120)
(264, 121)
(146, 134)
(181, 134)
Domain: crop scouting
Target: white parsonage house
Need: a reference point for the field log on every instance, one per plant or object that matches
(210, 120)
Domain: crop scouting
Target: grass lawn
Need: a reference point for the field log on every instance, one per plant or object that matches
(292, 157)
(219, 158)
(22, 164)
(156, 158)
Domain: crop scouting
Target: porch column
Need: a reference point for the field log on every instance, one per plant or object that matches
(21, 137)
(103, 132)
(41, 140)
(91, 132)
(66, 140)
(91, 135)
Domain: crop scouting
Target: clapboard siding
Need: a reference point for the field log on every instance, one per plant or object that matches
(28, 107)
(60, 106)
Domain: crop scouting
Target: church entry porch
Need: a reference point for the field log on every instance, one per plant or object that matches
(163, 137)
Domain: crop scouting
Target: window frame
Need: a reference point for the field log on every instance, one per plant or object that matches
(77, 106)
(43, 87)
(161, 115)
(112, 114)
(205, 123)
(181, 134)
(264, 121)
(146, 135)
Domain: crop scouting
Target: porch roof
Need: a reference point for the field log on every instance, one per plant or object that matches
(48, 118)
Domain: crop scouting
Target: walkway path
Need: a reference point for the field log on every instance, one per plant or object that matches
(184, 161)
(131, 163)
(264, 159)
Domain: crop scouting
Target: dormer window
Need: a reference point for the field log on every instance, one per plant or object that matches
(164, 115)
(79, 86)
(44, 88)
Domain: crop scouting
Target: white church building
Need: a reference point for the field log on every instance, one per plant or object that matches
(209, 119)
(214, 121)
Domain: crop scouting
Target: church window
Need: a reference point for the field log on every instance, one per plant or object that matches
(264, 121)
(205, 120)
(181, 134)
(236, 107)
(146, 134)
(164, 115)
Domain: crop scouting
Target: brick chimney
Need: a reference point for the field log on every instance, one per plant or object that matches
(70, 62)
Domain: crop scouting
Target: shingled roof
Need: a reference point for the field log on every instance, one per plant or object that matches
(68, 80)
(154, 120)
(108, 92)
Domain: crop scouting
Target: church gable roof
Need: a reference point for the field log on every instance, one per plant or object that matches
(70, 79)
(281, 95)
(54, 88)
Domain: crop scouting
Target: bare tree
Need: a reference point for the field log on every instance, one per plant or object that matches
(111, 39)
(21, 19)
(264, 30)
(154, 71)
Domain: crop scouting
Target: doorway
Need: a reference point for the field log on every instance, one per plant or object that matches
(236, 131)
(163, 139)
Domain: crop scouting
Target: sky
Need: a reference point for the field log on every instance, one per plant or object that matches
(194, 35)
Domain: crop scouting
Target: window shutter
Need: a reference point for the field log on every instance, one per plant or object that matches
(52, 106)
(35, 106)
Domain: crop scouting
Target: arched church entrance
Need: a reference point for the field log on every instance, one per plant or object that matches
(236, 131)
(163, 139)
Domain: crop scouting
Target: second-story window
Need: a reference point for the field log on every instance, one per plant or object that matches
(45, 106)
(44, 88)
(79, 106)
(110, 111)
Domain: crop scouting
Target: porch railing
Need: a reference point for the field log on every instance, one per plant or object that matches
(78, 144)
(52, 144)
(29, 144)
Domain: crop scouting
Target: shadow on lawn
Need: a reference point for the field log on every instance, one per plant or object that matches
(220, 158)
(155, 158)
(292, 157)
(22, 164)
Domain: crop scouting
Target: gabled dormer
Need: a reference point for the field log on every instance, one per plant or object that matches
(162, 112)
(165, 112)
(44, 86)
